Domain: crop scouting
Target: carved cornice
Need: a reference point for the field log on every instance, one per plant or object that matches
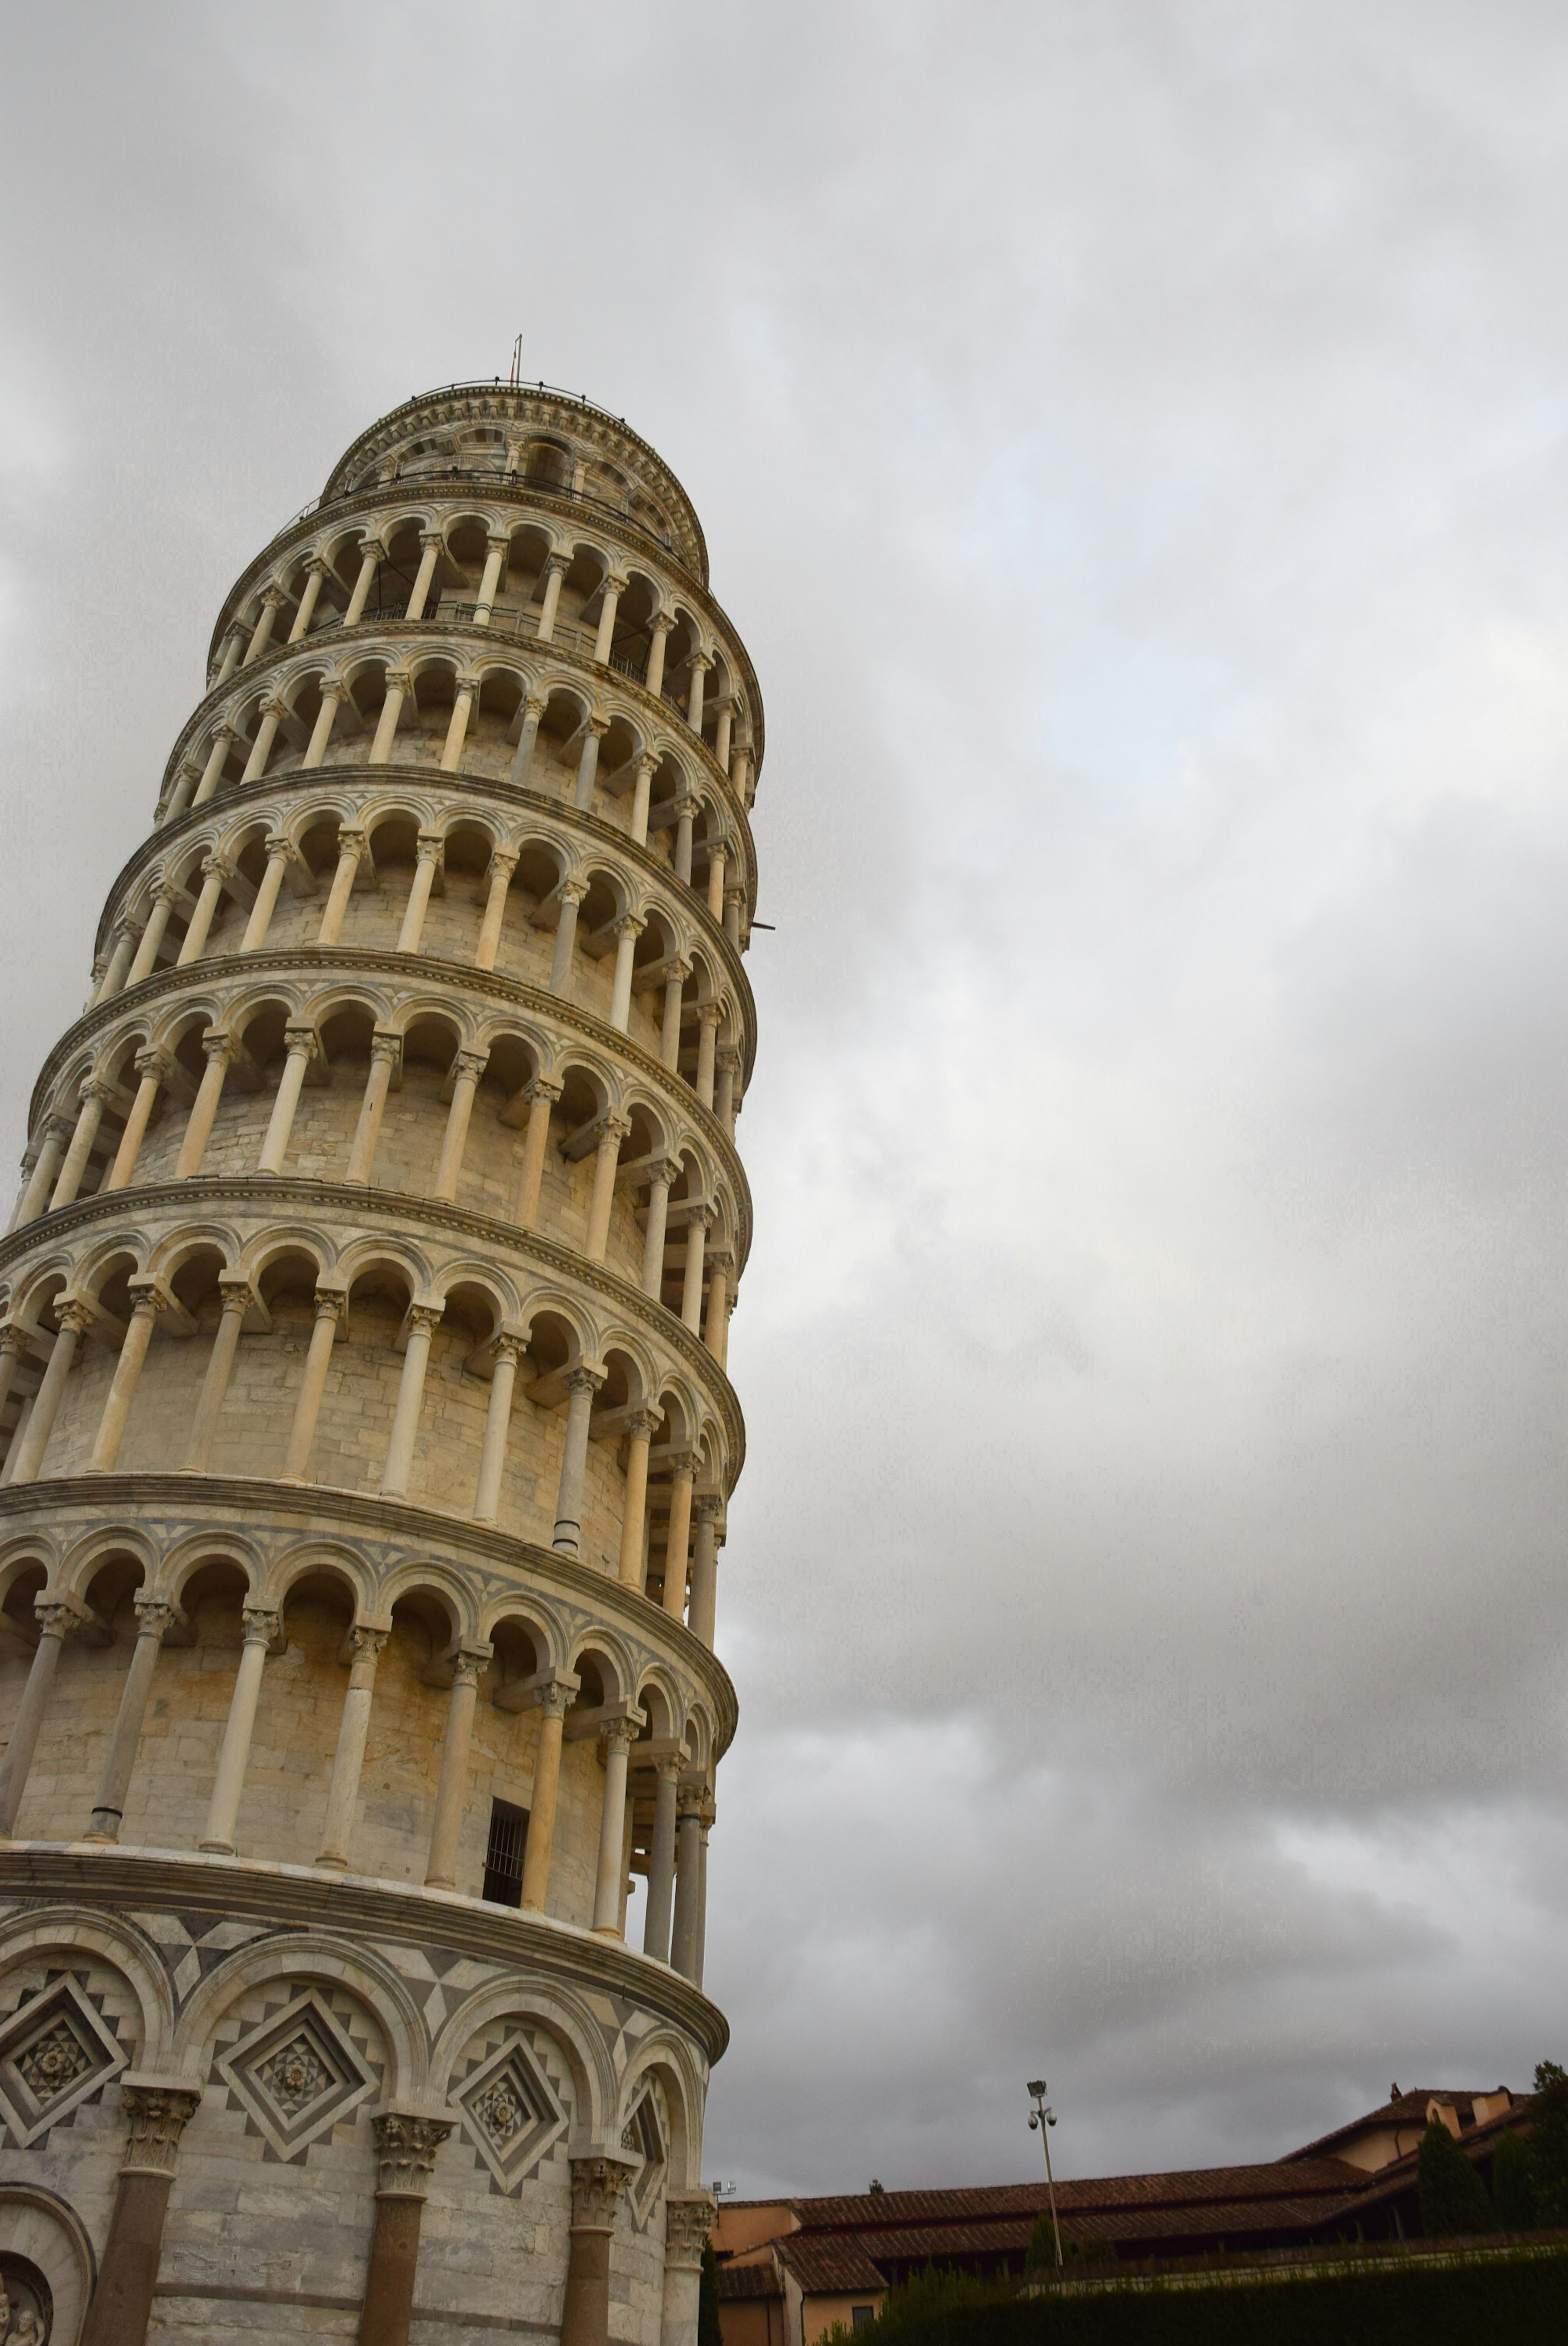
(297, 1897)
(368, 1208)
(256, 1502)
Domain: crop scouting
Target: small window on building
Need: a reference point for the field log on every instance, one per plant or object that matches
(504, 1854)
(860, 2314)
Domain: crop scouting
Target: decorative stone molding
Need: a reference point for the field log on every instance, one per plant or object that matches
(688, 2227)
(159, 2109)
(406, 2144)
(598, 2185)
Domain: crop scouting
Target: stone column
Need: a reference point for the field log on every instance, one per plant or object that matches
(386, 1050)
(641, 792)
(397, 687)
(615, 588)
(184, 782)
(640, 1431)
(700, 1221)
(96, 1096)
(424, 1319)
(700, 665)
(302, 1049)
(661, 1176)
(619, 1736)
(533, 708)
(588, 763)
(216, 874)
(684, 1467)
(54, 1620)
(370, 561)
(467, 1068)
(704, 1827)
(220, 1051)
(684, 816)
(315, 571)
(496, 549)
(152, 1067)
(45, 1166)
(661, 1862)
(601, 1198)
(709, 1505)
(708, 1014)
(271, 604)
(457, 729)
(280, 855)
(148, 1300)
(716, 1319)
(542, 1095)
(687, 2227)
(554, 1701)
(236, 1301)
(555, 568)
(597, 2188)
(332, 696)
(653, 674)
(717, 860)
(233, 643)
(687, 1883)
(572, 894)
(628, 929)
(669, 1036)
(508, 1352)
(734, 906)
(329, 1309)
(441, 1867)
(352, 845)
(153, 1616)
(344, 1791)
(223, 740)
(272, 716)
(721, 737)
(263, 1634)
(430, 553)
(503, 865)
(13, 1347)
(426, 866)
(405, 2152)
(159, 2109)
(74, 1321)
(121, 955)
(728, 1059)
(582, 1384)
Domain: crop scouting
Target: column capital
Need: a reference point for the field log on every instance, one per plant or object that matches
(661, 622)
(504, 859)
(687, 2229)
(645, 1422)
(664, 1169)
(159, 2109)
(555, 1699)
(433, 537)
(649, 761)
(353, 838)
(152, 1062)
(14, 1340)
(217, 1044)
(557, 561)
(572, 892)
(98, 1088)
(302, 1042)
(620, 1734)
(616, 1128)
(236, 1291)
(495, 539)
(508, 1348)
(332, 1304)
(406, 2144)
(428, 845)
(598, 727)
(598, 2184)
(400, 680)
(707, 1506)
(630, 924)
(263, 1626)
(56, 1615)
(689, 1801)
(334, 689)
(155, 1616)
(276, 844)
(385, 1045)
(542, 1086)
(148, 1294)
(426, 1317)
(470, 1063)
(75, 1317)
(364, 1643)
(728, 1058)
(468, 1664)
(709, 1013)
(615, 582)
(318, 566)
(703, 660)
(583, 1379)
(217, 866)
(534, 704)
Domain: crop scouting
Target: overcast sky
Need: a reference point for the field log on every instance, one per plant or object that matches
(1130, 440)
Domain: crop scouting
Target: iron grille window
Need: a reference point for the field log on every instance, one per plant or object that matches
(504, 1854)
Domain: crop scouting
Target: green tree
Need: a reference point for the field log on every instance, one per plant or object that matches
(1041, 2254)
(1549, 2143)
(1452, 2195)
(708, 2330)
(1514, 2185)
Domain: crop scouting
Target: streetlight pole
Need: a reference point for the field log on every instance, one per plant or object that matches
(1044, 2119)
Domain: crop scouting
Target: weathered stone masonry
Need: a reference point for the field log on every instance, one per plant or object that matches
(367, 1438)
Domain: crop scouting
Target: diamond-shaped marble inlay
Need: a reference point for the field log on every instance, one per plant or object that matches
(55, 2051)
(511, 2113)
(642, 2137)
(297, 2074)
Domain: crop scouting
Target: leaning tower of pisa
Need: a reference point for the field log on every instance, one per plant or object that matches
(367, 1438)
